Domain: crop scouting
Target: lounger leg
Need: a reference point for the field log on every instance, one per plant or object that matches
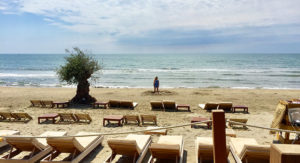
(112, 156)
(12, 153)
(134, 157)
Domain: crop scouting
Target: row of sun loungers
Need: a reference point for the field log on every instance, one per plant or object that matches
(20, 117)
(48, 149)
(163, 105)
(122, 104)
(135, 146)
(48, 103)
(144, 119)
(226, 106)
(76, 117)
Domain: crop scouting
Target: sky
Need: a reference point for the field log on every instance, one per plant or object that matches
(150, 26)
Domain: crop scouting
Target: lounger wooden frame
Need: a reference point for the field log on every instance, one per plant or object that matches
(67, 145)
(169, 105)
(251, 153)
(15, 117)
(166, 151)
(132, 118)
(128, 148)
(230, 124)
(36, 103)
(83, 117)
(149, 118)
(47, 103)
(209, 106)
(8, 116)
(226, 106)
(67, 117)
(122, 104)
(3, 143)
(22, 116)
(204, 151)
(25, 144)
(155, 105)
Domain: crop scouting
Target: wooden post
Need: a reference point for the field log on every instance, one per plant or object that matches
(219, 138)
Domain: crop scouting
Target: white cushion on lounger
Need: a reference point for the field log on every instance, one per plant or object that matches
(171, 140)
(82, 143)
(9, 132)
(202, 106)
(42, 142)
(141, 140)
(238, 144)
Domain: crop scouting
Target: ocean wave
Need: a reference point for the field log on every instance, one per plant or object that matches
(40, 75)
(284, 75)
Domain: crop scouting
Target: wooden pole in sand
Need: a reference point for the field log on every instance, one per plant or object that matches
(219, 138)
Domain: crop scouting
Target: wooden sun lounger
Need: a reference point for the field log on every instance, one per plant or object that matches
(83, 117)
(204, 149)
(167, 147)
(169, 105)
(47, 103)
(8, 116)
(114, 103)
(156, 105)
(248, 150)
(36, 103)
(135, 146)
(66, 117)
(128, 104)
(132, 118)
(155, 132)
(226, 106)
(37, 147)
(149, 118)
(22, 116)
(209, 106)
(7, 133)
(230, 124)
(77, 147)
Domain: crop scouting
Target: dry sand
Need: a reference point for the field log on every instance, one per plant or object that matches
(261, 103)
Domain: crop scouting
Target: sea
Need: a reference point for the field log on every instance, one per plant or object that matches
(246, 71)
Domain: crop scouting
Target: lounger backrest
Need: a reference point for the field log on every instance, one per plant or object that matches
(211, 106)
(126, 104)
(123, 147)
(6, 115)
(148, 118)
(205, 151)
(114, 103)
(36, 103)
(226, 106)
(132, 118)
(81, 116)
(22, 143)
(64, 144)
(67, 117)
(171, 105)
(156, 105)
(47, 103)
(164, 151)
(22, 115)
(255, 153)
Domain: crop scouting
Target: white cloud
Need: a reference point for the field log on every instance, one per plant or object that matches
(135, 17)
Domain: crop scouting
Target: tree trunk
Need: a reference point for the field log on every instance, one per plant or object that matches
(82, 94)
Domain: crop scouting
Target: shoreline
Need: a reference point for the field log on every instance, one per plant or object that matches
(163, 88)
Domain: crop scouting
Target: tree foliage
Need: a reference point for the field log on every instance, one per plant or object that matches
(78, 68)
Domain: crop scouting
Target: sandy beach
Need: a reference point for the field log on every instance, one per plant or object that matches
(261, 103)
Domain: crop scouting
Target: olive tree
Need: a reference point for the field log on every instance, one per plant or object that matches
(78, 68)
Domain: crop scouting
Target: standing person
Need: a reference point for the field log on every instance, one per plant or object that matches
(156, 84)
